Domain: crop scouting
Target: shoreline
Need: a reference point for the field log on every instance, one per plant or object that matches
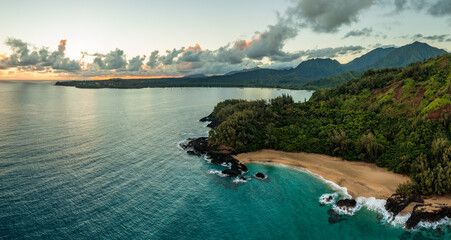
(361, 179)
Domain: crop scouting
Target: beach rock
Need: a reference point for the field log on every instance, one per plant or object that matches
(213, 121)
(208, 118)
(221, 155)
(200, 144)
(396, 202)
(195, 146)
(260, 175)
(346, 203)
(334, 217)
(428, 213)
(327, 199)
(231, 172)
(190, 152)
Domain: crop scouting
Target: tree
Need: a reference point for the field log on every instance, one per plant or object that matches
(369, 148)
(339, 142)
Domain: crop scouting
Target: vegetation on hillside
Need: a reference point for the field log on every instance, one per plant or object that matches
(395, 118)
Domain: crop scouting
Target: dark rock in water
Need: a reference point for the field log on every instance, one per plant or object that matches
(396, 202)
(327, 199)
(200, 144)
(244, 178)
(220, 155)
(190, 152)
(232, 172)
(208, 118)
(213, 121)
(334, 217)
(260, 175)
(346, 203)
(428, 213)
(213, 124)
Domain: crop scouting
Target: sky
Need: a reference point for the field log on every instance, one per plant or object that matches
(50, 40)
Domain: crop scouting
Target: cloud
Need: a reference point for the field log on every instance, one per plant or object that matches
(21, 56)
(136, 63)
(37, 60)
(168, 59)
(358, 33)
(270, 43)
(153, 60)
(332, 52)
(325, 15)
(115, 60)
(437, 8)
(440, 8)
(438, 38)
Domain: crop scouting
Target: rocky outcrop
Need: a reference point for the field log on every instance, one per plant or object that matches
(213, 121)
(428, 213)
(195, 146)
(346, 204)
(220, 155)
(260, 175)
(396, 202)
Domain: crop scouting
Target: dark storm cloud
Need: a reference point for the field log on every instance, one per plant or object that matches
(270, 43)
(234, 55)
(326, 15)
(440, 8)
(358, 33)
(433, 7)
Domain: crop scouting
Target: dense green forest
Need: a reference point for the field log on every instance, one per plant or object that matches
(395, 118)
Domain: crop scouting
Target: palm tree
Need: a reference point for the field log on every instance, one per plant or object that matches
(339, 142)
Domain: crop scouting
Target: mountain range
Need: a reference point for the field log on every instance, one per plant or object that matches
(311, 74)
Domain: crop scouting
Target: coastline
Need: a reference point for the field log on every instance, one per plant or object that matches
(361, 179)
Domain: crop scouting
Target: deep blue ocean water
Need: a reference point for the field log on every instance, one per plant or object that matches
(104, 164)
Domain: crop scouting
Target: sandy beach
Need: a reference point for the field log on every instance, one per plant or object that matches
(360, 178)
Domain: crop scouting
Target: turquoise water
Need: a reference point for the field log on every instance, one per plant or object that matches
(104, 164)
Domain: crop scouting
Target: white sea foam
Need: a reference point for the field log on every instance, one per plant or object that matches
(371, 203)
(347, 211)
(226, 164)
(206, 158)
(238, 180)
(434, 225)
(400, 220)
(179, 143)
(217, 172)
(328, 198)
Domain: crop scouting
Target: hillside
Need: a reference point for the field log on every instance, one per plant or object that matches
(421, 90)
(332, 81)
(366, 61)
(396, 118)
(405, 55)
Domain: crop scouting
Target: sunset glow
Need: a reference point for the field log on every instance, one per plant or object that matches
(272, 35)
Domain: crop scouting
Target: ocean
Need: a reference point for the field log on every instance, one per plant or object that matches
(105, 164)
